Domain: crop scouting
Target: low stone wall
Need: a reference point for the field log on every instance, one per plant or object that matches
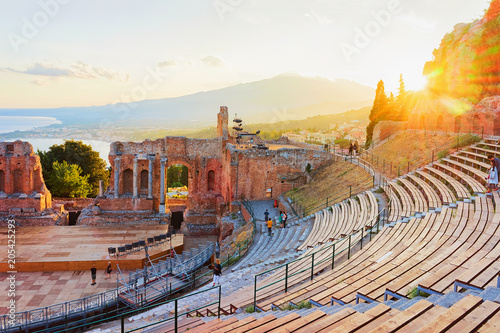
(121, 204)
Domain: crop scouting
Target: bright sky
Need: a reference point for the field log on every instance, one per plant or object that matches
(56, 53)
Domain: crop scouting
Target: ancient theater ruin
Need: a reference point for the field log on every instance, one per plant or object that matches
(221, 171)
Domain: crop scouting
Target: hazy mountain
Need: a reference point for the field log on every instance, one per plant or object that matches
(284, 97)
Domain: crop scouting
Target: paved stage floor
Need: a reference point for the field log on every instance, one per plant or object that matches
(42, 251)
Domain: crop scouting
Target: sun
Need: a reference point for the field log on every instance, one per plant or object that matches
(417, 83)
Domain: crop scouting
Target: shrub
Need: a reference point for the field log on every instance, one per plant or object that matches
(304, 305)
(379, 190)
(308, 168)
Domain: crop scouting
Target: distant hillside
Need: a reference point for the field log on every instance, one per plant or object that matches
(467, 63)
(283, 97)
(321, 122)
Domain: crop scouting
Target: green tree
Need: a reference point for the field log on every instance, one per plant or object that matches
(183, 178)
(173, 173)
(377, 112)
(66, 181)
(76, 152)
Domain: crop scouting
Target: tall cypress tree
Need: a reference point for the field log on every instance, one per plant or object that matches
(377, 112)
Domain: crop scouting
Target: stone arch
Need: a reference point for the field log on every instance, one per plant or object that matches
(458, 124)
(144, 179)
(440, 123)
(496, 125)
(211, 180)
(18, 181)
(476, 123)
(127, 181)
(2, 181)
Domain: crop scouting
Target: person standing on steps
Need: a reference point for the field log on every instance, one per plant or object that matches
(269, 227)
(280, 220)
(93, 271)
(350, 149)
(266, 215)
(284, 219)
(492, 178)
(217, 272)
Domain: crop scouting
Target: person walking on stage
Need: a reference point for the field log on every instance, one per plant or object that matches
(266, 215)
(217, 272)
(108, 271)
(93, 271)
(269, 227)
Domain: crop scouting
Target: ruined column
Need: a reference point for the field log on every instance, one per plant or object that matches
(117, 176)
(162, 185)
(150, 177)
(134, 181)
(101, 188)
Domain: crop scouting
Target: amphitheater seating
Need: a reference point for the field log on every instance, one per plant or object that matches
(431, 250)
(452, 312)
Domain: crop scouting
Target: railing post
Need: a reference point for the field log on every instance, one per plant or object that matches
(286, 278)
(255, 294)
(398, 170)
(220, 294)
(122, 320)
(482, 133)
(432, 161)
(194, 279)
(312, 266)
(362, 229)
(408, 167)
(333, 256)
(349, 249)
(350, 190)
(175, 318)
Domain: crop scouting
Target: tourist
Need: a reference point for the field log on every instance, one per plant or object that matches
(492, 178)
(350, 149)
(284, 219)
(355, 148)
(280, 219)
(269, 226)
(93, 270)
(497, 163)
(217, 272)
(108, 271)
(275, 203)
(266, 215)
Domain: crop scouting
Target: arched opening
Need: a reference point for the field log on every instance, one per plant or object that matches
(177, 181)
(458, 124)
(2, 181)
(439, 123)
(144, 179)
(18, 181)
(211, 180)
(422, 122)
(476, 124)
(127, 181)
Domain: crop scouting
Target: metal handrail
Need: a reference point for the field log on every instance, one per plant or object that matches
(322, 249)
(74, 307)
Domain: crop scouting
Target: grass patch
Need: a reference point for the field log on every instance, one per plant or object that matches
(442, 154)
(380, 190)
(288, 307)
(412, 293)
(332, 179)
(249, 309)
(304, 305)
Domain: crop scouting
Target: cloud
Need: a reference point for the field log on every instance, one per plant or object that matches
(168, 63)
(79, 70)
(212, 61)
(38, 82)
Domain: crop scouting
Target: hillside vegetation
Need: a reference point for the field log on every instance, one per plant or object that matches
(407, 146)
(331, 180)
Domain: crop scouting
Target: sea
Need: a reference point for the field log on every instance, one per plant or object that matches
(11, 124)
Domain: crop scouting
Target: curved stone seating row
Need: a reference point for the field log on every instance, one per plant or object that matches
(341, 219)
(453, 312)
(280, 247)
